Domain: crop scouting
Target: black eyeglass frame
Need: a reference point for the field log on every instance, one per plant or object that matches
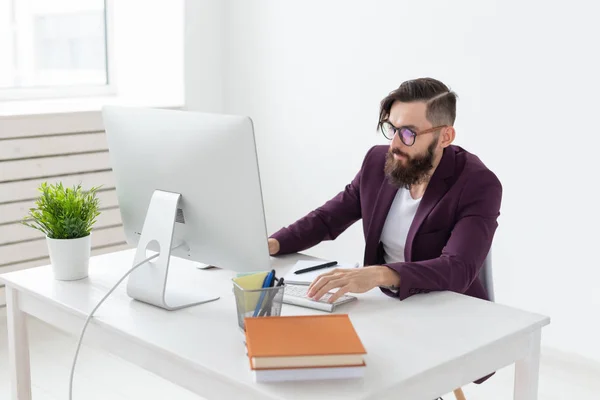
(398, 130)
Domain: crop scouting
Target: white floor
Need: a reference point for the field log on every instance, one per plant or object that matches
(100, 375)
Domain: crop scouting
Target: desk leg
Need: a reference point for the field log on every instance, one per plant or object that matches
(527, 370)
(18, 348)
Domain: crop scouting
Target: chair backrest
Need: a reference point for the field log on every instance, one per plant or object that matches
(486, 276)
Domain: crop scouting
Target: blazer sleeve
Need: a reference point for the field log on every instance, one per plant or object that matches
(469, 243)
(326, 222)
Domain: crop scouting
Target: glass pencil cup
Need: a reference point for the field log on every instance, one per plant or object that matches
(265, 302)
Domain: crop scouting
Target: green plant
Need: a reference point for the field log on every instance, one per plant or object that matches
(64, 213)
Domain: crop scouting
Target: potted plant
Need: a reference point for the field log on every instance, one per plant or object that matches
(66, 216)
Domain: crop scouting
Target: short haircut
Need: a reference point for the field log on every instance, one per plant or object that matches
(441, 101)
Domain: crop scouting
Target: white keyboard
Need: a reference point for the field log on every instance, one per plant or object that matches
(297, 295)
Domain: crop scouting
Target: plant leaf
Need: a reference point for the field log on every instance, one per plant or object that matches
(64, 213)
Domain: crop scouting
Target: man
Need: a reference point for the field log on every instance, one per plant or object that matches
(429, 208)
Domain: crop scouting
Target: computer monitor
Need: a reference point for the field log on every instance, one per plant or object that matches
(188, 185)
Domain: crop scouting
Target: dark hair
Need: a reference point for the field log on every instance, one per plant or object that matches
(441, 101)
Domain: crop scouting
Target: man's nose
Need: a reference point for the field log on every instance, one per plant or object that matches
(397, 142)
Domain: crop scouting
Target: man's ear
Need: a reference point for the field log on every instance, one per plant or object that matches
(447, 136)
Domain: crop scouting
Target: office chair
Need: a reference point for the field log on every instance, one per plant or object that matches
(485, 275)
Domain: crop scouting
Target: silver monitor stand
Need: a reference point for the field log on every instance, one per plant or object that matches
(148, 282)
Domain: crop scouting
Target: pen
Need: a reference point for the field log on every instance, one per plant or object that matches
(270, 309)
(269, 304)
(316, 267)
(266, 284)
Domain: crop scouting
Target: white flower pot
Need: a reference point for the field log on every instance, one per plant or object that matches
(70, 258)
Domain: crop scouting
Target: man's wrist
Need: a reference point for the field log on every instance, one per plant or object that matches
(388, 278)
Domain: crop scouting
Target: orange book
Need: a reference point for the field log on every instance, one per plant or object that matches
(303, 342)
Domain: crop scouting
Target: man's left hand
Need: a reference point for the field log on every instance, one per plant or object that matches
(356, 280)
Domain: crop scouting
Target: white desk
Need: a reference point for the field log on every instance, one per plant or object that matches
(410, 355)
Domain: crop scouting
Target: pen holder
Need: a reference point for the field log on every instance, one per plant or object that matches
(265, 302)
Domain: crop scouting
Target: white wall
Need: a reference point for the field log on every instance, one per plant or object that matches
(149, 51)
(312, 73)
(204, 54)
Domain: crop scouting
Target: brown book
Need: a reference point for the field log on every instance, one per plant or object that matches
(303, 341)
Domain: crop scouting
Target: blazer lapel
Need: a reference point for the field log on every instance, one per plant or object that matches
(385, 198)
(435, 190)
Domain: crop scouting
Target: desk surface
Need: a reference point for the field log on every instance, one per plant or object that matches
(411, 341)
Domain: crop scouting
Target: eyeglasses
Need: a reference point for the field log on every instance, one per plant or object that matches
(407, 135)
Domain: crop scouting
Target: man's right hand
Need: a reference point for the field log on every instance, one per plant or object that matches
(273, 246)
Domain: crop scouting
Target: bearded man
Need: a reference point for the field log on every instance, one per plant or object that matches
(429, 208)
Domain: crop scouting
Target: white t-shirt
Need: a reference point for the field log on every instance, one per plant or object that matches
(396, 226)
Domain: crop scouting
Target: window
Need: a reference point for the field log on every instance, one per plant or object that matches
(54, 48)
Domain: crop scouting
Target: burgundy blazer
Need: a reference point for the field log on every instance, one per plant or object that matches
(450, 235)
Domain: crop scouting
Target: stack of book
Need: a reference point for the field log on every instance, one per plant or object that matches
(304, 348)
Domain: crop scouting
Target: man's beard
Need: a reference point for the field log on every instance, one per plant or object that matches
(414, 172)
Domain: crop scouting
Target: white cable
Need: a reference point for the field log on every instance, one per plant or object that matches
(89, 318)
